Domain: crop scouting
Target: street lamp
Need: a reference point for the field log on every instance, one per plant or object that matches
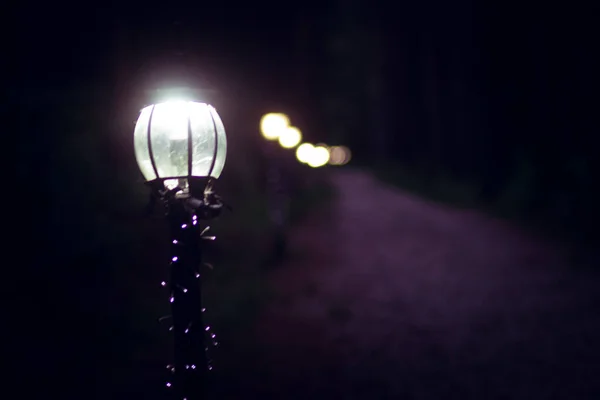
(180, 147)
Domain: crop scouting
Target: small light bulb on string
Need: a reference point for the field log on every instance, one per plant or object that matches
(184, 290)
(205, 230)
(163, 283)
(203, 309)
(174, 259)
(175, 241)
(197, 275)
(207, 328)
(169, 384)
(184, 226)
(193, 366)
(172, 299)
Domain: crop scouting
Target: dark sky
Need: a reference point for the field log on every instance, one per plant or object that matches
(517, 52)
(56, 44)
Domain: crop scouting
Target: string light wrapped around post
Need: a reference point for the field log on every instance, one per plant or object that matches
(180, 148)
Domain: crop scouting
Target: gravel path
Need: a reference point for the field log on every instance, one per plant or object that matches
(388, 296)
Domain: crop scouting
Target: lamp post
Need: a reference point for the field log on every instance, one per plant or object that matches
(180, 147)
(273, 127)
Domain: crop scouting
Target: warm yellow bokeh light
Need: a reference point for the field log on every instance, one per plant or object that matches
(303, 152)
(319, 156)
(272, 125)
(290, 137)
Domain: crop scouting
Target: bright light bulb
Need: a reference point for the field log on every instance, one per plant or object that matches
(303, 152)
(290, 137)
(273, 124)
(318, 157)
(174, 114)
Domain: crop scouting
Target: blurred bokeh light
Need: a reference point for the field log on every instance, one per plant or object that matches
(303, 152)
(272, 125)
(319, 156)
(290, 137)
(339, 155)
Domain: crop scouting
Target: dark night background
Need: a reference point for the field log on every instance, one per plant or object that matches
(498, 98)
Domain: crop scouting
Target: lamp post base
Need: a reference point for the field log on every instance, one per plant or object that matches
(190, 335)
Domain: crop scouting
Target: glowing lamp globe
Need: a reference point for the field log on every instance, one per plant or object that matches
(177, 141)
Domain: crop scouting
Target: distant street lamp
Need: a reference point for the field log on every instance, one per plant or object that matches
(276, 127)
(180, 147)
(318, 157)
(273, 124)
(290, 137)
(303, 152)
(339, 155)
